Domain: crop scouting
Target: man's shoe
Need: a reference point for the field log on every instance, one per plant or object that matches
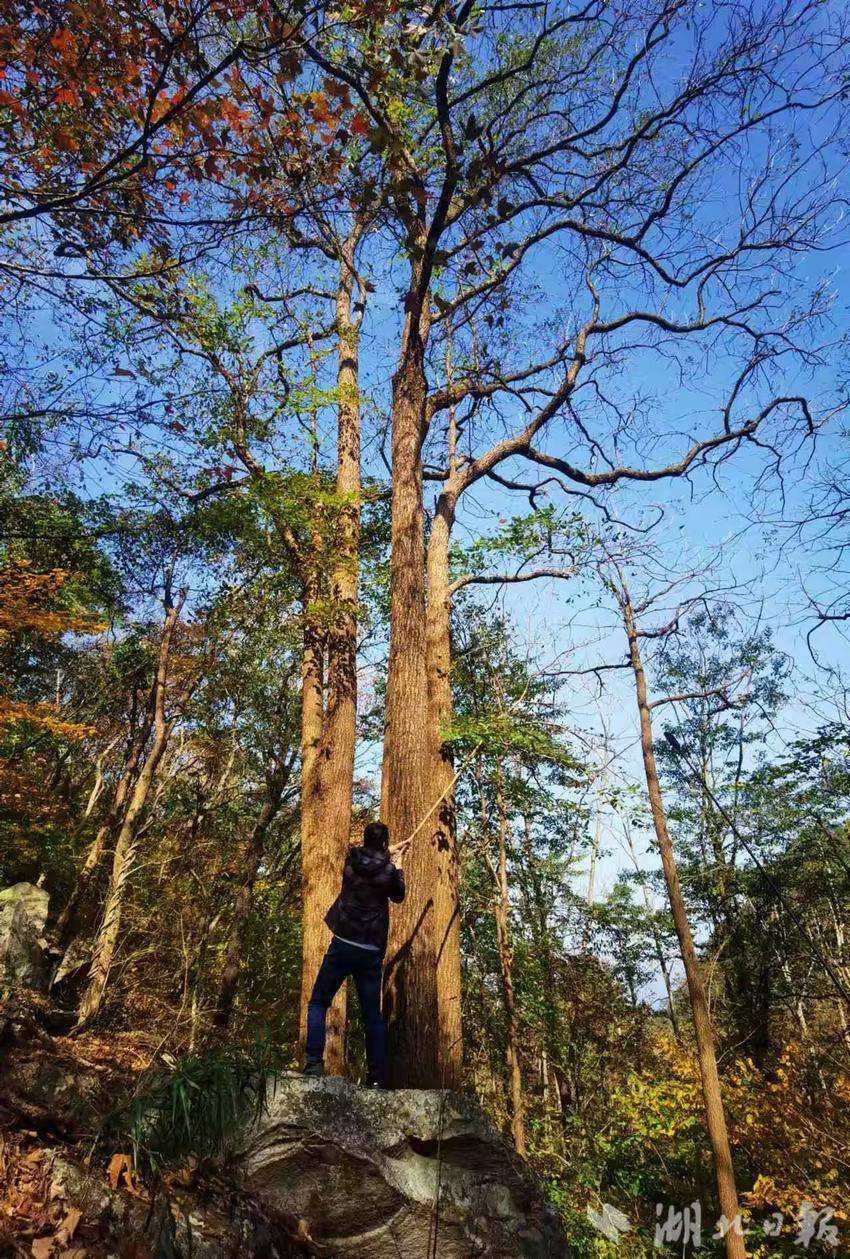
(315, 1070)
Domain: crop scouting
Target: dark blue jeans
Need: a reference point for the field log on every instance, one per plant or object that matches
(342, 960)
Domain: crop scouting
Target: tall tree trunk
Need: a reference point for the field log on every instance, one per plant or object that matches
(127, 842)
(65, 921)
(330, 731)
(340, 732)
(320, 875)
(441, 793)
(714, 1112)
(838, 946)
(235, 950)
(502, 916)
(417, 1052)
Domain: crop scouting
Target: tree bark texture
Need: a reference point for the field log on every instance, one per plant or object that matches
(501, 907)
(320, 873)
(441, 788)
(329, 727)
(411, 977)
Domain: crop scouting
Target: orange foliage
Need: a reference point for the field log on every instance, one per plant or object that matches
(27, 600)
(121, 103)
(790, 1130)
(29, 603)
(44, 717)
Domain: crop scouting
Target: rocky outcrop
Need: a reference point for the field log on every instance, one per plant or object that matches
(23, 956)
(367, 1174)
(329, 1169)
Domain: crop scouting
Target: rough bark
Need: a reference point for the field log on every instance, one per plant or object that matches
(126, 844)
(319, 876)
(442, 771)
(339, 736)
(714, 1112)
(412, 1003)
(329, 729)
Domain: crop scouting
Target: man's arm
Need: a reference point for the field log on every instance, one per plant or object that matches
(396, 889)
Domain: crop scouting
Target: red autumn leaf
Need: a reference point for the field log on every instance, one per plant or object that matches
(65, 141)
(360, 125)
(336, 89)
(63, 40)
(66, 96)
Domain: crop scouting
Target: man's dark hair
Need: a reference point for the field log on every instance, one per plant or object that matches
(376, 837)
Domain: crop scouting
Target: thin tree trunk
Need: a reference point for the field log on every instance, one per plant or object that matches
(594, 856)
(715, 1115)
(541, 938)
(844, 971)
(417, 1050)
(601, 786)
(127, 842)
(502, 915)
(97, 786)
(65, 921)
(442, 772)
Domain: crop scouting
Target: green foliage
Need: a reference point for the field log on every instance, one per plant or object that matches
(555, 538)
(502, 734)
(192, 1107)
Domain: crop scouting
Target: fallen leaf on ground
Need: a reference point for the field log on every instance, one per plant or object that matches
(119, 1165)
(68, 1227)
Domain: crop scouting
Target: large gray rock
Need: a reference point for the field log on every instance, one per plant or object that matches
(329, 1170)
(23, 913)
(359, 1171)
